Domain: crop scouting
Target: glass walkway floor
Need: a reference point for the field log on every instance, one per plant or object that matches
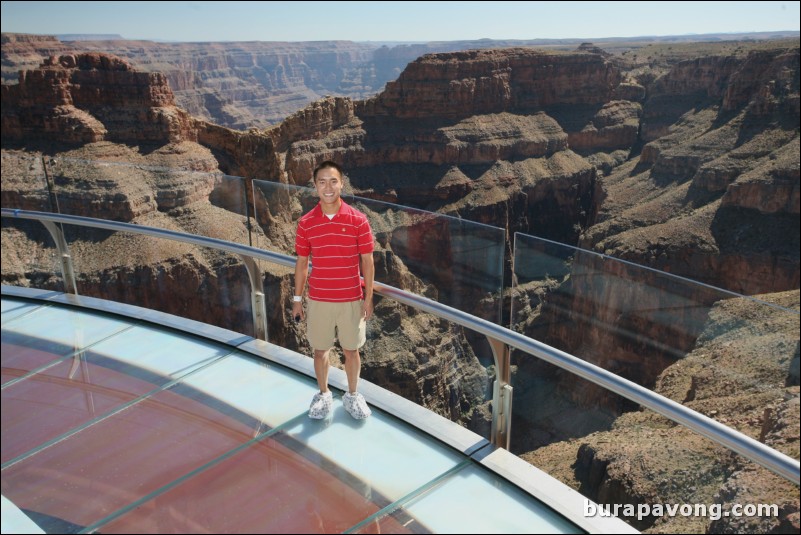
(118, 419)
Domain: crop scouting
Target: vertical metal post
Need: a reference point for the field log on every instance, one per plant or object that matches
(501, 395)
(256, 297)
(66, 260)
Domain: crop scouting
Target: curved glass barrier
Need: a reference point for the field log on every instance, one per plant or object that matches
(730, 357)
(636, 321)
(429, 361)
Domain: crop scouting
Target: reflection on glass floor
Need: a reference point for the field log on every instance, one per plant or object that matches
(116, 425)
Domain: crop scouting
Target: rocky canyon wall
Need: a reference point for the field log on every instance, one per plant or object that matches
(237, 85)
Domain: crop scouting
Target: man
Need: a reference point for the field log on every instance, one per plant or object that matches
(340, 240)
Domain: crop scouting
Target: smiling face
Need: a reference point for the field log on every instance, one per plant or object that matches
(328, 184)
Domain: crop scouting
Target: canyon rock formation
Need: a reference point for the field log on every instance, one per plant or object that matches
(239, 85)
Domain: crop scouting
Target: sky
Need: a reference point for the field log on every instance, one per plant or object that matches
(394, 21)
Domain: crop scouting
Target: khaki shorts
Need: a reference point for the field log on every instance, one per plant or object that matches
(325, 322)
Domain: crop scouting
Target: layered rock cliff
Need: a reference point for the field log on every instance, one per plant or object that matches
(682, 207)
(238, 85)
(22, 52)
(92, 97)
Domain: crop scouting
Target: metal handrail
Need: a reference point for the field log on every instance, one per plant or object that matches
(757, 452)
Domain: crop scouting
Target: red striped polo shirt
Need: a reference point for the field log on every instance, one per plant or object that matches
(334, 245)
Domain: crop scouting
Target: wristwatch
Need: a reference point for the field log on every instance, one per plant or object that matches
(297, 298)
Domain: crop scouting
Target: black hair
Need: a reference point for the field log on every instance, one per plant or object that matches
(326, 165)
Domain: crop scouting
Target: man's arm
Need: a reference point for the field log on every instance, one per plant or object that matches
(368, 271)
(301, 274)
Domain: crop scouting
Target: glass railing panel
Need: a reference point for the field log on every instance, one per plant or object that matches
(726, 356)
(25, 184)
(183, 279)
(29, 256)
(652, 327)
(178, 199)
(471, 500)
(552, 405)
(277, 208)
(585, 303)
(453, 261)
(205, 203)
(114, 266)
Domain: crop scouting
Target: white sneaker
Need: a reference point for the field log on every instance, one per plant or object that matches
(321, 405)
(356, 405)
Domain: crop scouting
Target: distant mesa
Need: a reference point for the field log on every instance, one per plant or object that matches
(90, 37)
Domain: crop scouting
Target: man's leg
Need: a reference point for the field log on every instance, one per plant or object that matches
(321, 332)
(321, 366)
(353, 364)
(354, 402)
(321, 402)
(353, 333)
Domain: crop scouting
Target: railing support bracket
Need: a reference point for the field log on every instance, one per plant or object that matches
(501, 395)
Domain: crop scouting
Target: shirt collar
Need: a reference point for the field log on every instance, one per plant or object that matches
(343, 209)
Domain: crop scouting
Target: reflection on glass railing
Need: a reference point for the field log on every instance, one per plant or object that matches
(456, 262)
(597, 307)
(174, 277)
(30, 257)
